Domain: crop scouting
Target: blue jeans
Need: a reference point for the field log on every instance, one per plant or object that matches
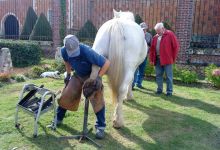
(100, 117)
(168, 69)
(139, 74)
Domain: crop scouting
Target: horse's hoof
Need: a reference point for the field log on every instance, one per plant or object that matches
(117, 125)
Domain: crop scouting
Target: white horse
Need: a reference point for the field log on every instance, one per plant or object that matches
(122, 41)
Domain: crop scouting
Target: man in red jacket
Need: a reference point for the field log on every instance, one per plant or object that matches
(163, 53)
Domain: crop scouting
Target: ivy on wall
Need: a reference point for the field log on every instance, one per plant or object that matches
(62, 20)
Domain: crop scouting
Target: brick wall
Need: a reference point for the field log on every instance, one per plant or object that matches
(16, 8)
(184, 27)
(100, 11)
(56, 23)
(19, 8)
(206, 20)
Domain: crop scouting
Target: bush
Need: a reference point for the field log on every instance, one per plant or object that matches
(23, 53)
(59, 66)
(188, 77)
(42, 30)
(36, 72)
(208, 71)
(1, 84)
(167, 25)
(62, 20)
(212, 73)
(30, 21)
(19, 78)
(88, 31)
(149, 69)
(215, 79)
(176, 71)
(138, 19)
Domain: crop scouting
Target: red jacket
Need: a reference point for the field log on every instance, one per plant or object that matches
(169, 47)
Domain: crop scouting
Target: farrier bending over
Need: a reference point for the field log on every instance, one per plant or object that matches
(80, 58)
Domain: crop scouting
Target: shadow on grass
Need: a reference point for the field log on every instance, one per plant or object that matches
(196, 103)
(108, 143)
(52, 142)
(171, 130)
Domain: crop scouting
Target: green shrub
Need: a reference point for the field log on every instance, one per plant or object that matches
(19, 78)
(36, 72)
(31, 18)
(188, 77)
(59, 66)
(167, 25)
(1, 84)
(176, 71)
(153, 32)
(138, 19)
(149, 69)
(23, 53)
(208, 71)
(62, 30)
(215, 79)
(88, 31)
(212, 73)
(42, 30)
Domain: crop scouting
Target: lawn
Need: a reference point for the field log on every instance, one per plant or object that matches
(189, 120)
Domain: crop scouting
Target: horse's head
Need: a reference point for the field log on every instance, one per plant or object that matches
(125, 15)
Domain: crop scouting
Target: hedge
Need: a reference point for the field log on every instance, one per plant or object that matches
(138, 19)
(88, 31)
(23, 53)
(42, 30)
(31, 18)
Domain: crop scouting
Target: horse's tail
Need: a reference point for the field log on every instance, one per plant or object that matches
(116, 57)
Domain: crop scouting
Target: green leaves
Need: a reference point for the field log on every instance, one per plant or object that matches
(42, 30)
(88, 31)
(30, 21)
(23, 53)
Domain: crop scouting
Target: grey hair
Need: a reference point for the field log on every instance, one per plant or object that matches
(159, 26)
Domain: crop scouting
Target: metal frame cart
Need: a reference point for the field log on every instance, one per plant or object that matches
(36, 102)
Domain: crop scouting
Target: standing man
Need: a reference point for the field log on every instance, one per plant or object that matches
(80, 58)
(163, 54)
(139, 73)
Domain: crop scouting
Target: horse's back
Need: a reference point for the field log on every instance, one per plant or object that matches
(134, 42)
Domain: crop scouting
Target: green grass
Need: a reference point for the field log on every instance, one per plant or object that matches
(189, 120)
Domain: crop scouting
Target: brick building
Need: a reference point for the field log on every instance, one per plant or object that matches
(13, 13)
(195, 22)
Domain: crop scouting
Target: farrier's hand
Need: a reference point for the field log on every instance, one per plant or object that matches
(91, 85)
(66, 80)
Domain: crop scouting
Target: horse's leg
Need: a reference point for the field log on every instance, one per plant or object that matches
(130, 95)
(122, 94)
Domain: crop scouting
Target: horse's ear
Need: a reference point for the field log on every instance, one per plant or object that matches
(116, 14)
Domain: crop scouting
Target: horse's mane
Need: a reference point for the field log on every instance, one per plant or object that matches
(124, 15)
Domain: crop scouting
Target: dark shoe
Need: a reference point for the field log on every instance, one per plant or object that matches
(100, 134)
(158, 92)
(140, 87)
(169, 94)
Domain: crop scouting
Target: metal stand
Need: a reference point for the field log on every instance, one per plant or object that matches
(36, 104)
(84, 135)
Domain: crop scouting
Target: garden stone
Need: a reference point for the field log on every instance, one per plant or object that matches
(58, 56)
(5, 61)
